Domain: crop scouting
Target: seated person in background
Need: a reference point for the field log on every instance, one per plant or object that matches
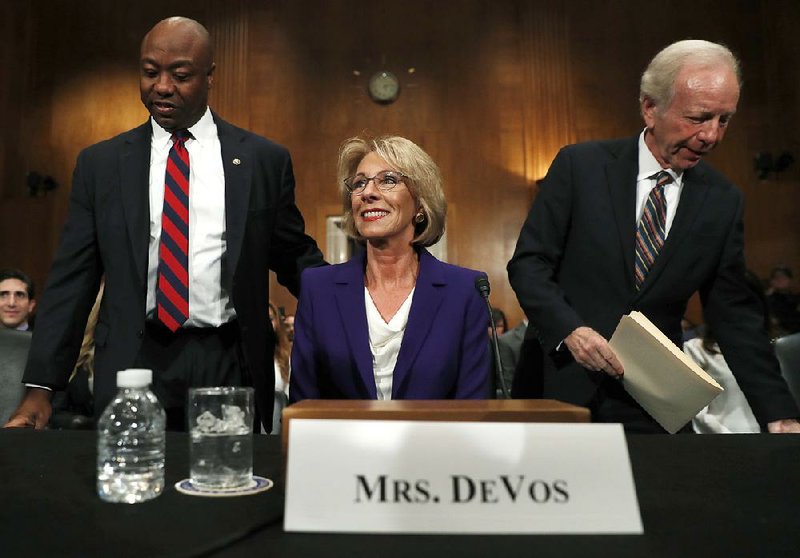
(73, 408)
(288, 325)
(729, 412)
(500, 322)
(783, 301)
(500, 325)
(17, 299)
(689, 329)
(282, 351)
(393, 322)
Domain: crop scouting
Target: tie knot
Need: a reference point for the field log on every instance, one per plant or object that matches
(181, 136)
(663, 178)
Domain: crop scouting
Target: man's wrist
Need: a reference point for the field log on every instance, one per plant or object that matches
(37, 386)
(38, 392)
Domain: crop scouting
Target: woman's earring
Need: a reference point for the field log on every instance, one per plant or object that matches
(419, 217)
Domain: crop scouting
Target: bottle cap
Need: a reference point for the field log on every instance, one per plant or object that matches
(134, 378)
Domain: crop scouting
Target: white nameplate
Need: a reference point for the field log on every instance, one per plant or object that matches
(389, 476)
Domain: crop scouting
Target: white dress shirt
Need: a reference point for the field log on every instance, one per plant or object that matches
(384, 342)
(209, 301)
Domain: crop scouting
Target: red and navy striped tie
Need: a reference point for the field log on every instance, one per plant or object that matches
(172, 290)
(651, 231)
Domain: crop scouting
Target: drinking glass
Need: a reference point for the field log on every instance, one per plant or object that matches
(221, 437)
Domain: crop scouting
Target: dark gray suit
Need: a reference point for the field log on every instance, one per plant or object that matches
(107, 232)
(14, 346)
(510, 345)
(574, 266)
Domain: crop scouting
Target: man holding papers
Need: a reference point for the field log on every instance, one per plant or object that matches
(640, 224)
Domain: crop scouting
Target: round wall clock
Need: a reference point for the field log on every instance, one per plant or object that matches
(384, 87)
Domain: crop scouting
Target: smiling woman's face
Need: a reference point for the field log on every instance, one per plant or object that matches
(378, 214)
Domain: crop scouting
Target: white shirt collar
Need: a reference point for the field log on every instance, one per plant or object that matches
(648, 165)
(203, 129)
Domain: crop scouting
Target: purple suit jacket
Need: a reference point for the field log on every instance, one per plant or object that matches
(444, 353)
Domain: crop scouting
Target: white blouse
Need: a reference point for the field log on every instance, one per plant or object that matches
(384, 342)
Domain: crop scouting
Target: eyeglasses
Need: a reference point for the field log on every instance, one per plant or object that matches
(384, 181)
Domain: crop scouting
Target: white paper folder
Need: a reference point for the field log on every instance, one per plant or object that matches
(658, 375)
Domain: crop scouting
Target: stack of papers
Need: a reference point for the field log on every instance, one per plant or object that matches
(667, 383)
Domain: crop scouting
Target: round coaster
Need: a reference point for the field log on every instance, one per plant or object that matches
(257, 484)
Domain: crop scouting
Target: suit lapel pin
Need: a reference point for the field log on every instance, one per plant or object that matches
(237, 161)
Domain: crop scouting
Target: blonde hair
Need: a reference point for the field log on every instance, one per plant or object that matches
(658, 80)
(86, 353)
(282, 347)
(424, 182)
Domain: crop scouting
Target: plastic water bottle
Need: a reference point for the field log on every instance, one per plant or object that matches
(130, 442)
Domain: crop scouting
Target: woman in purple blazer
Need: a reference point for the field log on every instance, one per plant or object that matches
(393, 322)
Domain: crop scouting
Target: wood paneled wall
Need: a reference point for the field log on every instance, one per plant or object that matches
(491, 89)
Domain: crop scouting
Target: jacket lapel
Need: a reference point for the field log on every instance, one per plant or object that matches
(621, 175)
(348, 290)
(421, 317)
(134, 165)
(237, 163)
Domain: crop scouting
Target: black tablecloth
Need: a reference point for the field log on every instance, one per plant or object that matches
(700, 496)
(49, 506)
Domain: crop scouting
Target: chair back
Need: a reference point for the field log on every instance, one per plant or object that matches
(787, 349)
(14, 347)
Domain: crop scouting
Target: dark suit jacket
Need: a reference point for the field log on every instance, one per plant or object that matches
(107, 232)
(444, 354)
(574, 266)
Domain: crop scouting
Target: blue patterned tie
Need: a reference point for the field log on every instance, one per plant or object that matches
(651, 232)
(172, 289)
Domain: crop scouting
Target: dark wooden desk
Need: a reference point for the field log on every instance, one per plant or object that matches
(700, 496)
(454, 410)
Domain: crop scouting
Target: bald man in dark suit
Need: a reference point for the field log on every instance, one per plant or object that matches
(242, 221)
